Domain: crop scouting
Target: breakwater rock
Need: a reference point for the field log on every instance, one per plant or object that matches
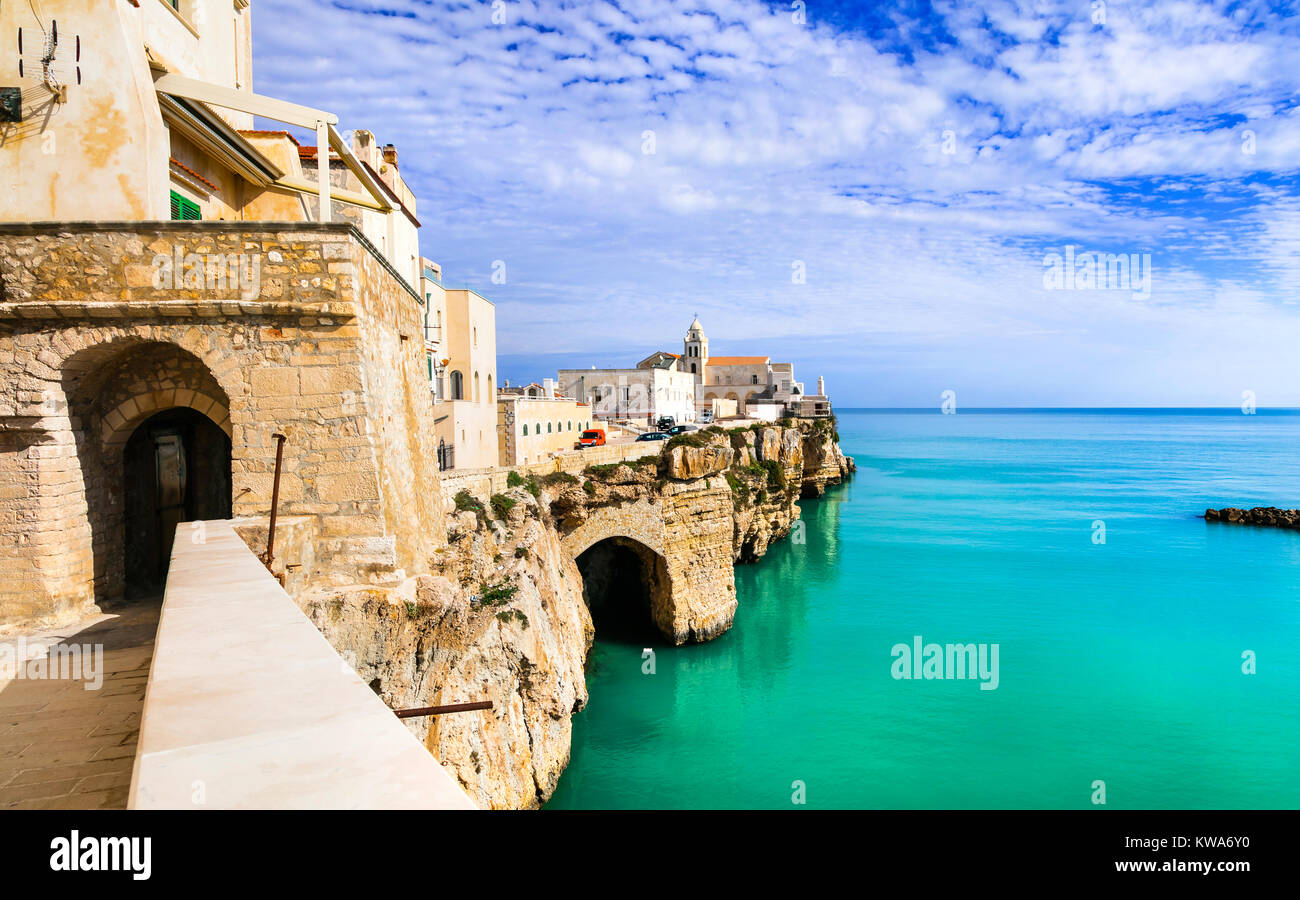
(1259, 515)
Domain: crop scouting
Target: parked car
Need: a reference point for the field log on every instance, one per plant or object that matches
(653, 436)
(592, 437)
(665, 422)
(707, 416)
(680, 429)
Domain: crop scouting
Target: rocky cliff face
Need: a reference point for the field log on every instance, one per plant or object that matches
(503, 617)
(774, 467)
(502, 620)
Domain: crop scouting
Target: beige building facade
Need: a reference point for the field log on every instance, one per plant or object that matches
(466, 418)
(758, 387)
(143, 110)
(532, 429)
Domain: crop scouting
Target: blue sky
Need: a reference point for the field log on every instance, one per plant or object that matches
(919, 161)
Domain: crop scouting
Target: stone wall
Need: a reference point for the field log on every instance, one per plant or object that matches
(102, 325)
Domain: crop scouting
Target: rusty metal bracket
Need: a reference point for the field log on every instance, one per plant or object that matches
(441, 710)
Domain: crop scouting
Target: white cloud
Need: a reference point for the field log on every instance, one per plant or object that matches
(828, 143)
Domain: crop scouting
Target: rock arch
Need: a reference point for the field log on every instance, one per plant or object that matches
(641, 522)
(637, 528)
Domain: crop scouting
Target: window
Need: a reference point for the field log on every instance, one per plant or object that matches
(753, 379)
(457, 386)
(476, 387)
(570, 425)
(548, 427)
(525, 429)
(559, 426)
(184, 209)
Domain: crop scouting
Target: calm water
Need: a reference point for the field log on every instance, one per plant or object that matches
(1118, 661)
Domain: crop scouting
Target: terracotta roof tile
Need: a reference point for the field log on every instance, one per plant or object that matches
(737, 360)
(195, 175)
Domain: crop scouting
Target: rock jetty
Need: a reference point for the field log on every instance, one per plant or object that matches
(1260, 515)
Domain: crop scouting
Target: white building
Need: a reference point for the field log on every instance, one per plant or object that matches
(656, 387)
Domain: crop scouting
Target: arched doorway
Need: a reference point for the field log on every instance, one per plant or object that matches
(626, 586)
(120, 394)
(176, 468)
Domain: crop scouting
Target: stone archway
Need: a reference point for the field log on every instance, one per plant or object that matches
(120, 398)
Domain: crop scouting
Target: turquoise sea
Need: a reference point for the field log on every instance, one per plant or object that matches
(1119, 661)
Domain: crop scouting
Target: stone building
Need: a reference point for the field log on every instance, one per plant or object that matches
(761, 388)
(146, 365)
(127, 406)
(535, 422)
(657, 386)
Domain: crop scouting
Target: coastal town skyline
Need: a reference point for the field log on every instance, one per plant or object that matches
(594, 167)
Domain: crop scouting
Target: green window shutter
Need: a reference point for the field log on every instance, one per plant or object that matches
(184, 209)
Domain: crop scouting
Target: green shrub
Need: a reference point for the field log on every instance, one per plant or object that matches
(775, 473)
(501, 505)
(497, 594)
(411, 609)
(506, 615)
(559, 478)
(590, 488)
(521, 552)
(688, 439)
(738, 487)
(514, 479)
(465, 502)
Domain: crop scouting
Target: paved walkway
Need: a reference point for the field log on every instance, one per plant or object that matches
(65, 747)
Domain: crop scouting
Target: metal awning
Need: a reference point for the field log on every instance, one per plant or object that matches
(211, 133)
(185, 101)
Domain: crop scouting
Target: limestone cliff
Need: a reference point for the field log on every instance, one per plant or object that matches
(502, 620)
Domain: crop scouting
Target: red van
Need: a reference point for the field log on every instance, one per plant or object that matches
(592, 437)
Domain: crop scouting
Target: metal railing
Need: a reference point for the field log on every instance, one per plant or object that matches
(446, 456)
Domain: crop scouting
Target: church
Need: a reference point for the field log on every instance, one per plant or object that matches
(688, 385)
(760, 388)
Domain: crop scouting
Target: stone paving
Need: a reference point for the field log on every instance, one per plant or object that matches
(65, 747)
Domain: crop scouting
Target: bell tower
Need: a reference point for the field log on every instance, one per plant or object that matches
(695, 355)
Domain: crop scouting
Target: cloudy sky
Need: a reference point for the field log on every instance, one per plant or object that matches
(878, 195)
